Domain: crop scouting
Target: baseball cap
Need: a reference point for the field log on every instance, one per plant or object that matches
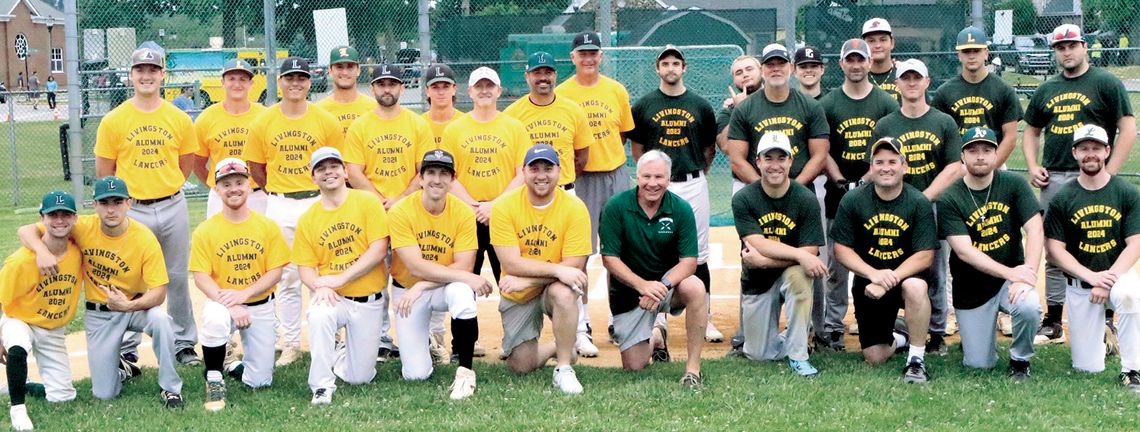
(111, 187)
(671, 49)
(808, 55)
(1065, 33)
(344, 54)
(773, 141)
(972, 37)
(773, 51)
(876, 25)
(1090, 132)
(979, 134)
(539, 152)
(387, 71)
(57, 200)
(483, 73)
(230, 166)
(855, 46)
(911, 65)
(297, 65)
(886, 142)
(438, 158)
(540, 59)
(237, 65)
(147, 56)
(324, 153)
(437, 72)
(587, 41)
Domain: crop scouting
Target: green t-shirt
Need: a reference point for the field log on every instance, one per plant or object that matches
(886, 81)
(930, 142)
(723, 115)
(650, 247)
(990, 103)
(852, 123)
(993, 218)
(792, 219)
(1093, 224)
(799, 117)
(681, 126)
(1062, 105)
(885, 233)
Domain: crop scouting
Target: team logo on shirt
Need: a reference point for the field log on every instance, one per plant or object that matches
(856, 132)
(535, 238)
(1065, 108)
(665, 225)
(919, 147)
(1098, 223)
(148, 141)
(775, 226)
(971, 111)
(673, 122)
(886, 228)
(986, 224)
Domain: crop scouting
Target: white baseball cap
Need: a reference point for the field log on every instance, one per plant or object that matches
(483, 73)
(230, 166)
(1065, 33)
(323, 154)
(1090, 132)
(911, 65)
(876, 25)
(773, 141)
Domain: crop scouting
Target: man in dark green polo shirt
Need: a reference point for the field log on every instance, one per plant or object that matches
(649, 247)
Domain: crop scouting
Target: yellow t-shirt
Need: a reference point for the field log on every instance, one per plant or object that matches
(332, 240)
(437, 128)
(562, 125)
(131, 262)
(236, 255)
(146, 147)
(388, 149)
(486, 153)
(223, 135)
(45, 302)
(562, 229)
(285, 146)
(438, 237)
(608, 113)
(346, 113)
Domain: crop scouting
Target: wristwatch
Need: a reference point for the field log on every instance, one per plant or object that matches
(665, 281)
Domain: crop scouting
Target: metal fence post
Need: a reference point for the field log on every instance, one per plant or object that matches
(605, 21)
(425, 46)
(270, 15)
(74, 100)
(976, 12)
(12, 151)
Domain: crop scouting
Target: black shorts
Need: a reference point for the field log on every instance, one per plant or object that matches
(876, 317)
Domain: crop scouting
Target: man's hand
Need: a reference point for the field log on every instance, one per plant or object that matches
(332, 282)
(654, 290)
(480, 285)
(1017, 290)
(573, 278)
(116, 300)
(735, 98)
(325, 296)
(48, 264)
(1105, 279)
(648, 303)
(813, 266)
(875, 291)
(231, 298)
(483, 212)
(753, 259)
(1024, 274)
(1039, 176)
(403, 306)
(511, 284)
(388, 203)
(1098, 295)
(884, 278)
(240, 315)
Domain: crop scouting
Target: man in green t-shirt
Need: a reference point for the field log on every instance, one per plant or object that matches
(982, 216)
(978, 98)
(809, 72)
(883, 233)
(1077, 96)
(681, 124)
(778, 222)
(1092, 230)
(746, 80)
(877, 33)
(649, 246)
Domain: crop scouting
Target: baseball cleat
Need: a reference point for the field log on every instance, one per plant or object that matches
(1019, 370)
(127, 369)
(480, 351)
(692, 380)
(937, 345)
(439, 354)
(803, 368)
(384, 354)
(584, 344)
(713, 335)
(321, 397)
(1050, 334)
(661, 355)
(1131, 381)
(1111, 341)
(915, 372)
(20, 419)
(566, 380)
(1005, 324)
(171, 400)
(215, 395)
(288, 355)
(464, 385)
(187, 357)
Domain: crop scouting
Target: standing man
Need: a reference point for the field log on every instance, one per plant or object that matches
(223, 131)
(877, 34)
(439, 84)
(746, 80)
(346, 103)
(1092, 230)
(281, 143)
(37, 309)
(340, 248)
(34, 87)
(852, 112)
(883, 234)
(649, 246)
(778, 222)
(976, 98)
(809, 72)
(236, 259)
(1080, 95)
(681, 124)
(150, 144)
(541, 235)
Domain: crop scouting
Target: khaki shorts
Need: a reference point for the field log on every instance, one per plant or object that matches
(636, 326)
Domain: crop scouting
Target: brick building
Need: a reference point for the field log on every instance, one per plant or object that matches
(34, 20)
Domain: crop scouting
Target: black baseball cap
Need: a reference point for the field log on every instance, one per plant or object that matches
(438, 158)
(774, 51)
(387, 71)
(587, 41)
(294, 65)
(437, 72)
(808, 55)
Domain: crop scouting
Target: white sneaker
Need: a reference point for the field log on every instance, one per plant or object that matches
(712, 334)
(585, 346)
(20, 420)
(464, 385)
(439, 354)
(1005, 323)
(288, 355)
(321, 397)
(566, 381)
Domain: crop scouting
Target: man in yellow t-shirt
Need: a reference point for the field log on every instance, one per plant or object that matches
(150, 144)
(540, 234)
(37, 309)
(341, 244)
(236, 258)
(346, 103)
(223, 130)
(124, 284)
(281, 143)
(433, 235)
(439, 82)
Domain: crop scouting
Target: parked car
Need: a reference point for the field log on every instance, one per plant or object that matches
(1029, 55)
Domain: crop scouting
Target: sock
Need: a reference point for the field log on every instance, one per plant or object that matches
(703, 274)
(1053, 314)
(17, 374)
(213, 376)
(900, 340)
(918, 352)
(464, 332)
(214, 357)
(583, 317)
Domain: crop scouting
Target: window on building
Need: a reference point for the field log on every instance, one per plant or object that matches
(57, 60)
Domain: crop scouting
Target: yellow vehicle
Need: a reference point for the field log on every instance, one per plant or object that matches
(202, 68)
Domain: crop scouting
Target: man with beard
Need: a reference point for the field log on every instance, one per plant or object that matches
(345, 103)
(877, 33)
(746, 80)
(223, 130)
(809, 72)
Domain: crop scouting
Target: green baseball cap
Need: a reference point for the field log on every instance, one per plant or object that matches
(344, 54)
(111, 187)
(972, 37)
(540, 59)
(979, 134)
(57, 200)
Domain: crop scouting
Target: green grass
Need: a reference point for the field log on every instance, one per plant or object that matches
(738, 395)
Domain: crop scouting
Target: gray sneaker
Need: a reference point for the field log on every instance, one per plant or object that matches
(915, 372)
(187, 357)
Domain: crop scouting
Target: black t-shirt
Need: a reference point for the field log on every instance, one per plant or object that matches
(930, 142)
(885, 233)
(989, 103)
(792, 219)
(1094, 224)
(1062, 105)
(682, 127)
(799, 117)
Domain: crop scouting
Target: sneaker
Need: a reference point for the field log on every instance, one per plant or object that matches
(232, 355)
(853, 328)
(692, 380)
(713, 335)
(127, 369)
(439, 354)
(1050, 333)
(829, 342)
(735, 353)
(1019, 370)
(737, 341)
(1131, 381)
(289, 355)
(803, 368)
(661, 355)
(132, 357)
(613, 340)
(584, 344)
(915, 372)
(384, 354)
(171, 400)
(951, 325)
(937, 345)
(20, 419)
(187, 357)
(215, 395)
(1005, 324)
(321, 397)
(1111, 341)
(566, 381)
(464, 385)
(479, 350)
(235, 370)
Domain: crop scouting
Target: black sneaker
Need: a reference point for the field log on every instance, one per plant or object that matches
(171, 400)
(1019, 370)
(661, 355)
(132, 357)
(737, 341)
(915, 372)
(829, 342)
(127, 369)
(384, 354)
(1131, 381)
(937, 345)
(1050, 333)
(613, 340)
(187, 357)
